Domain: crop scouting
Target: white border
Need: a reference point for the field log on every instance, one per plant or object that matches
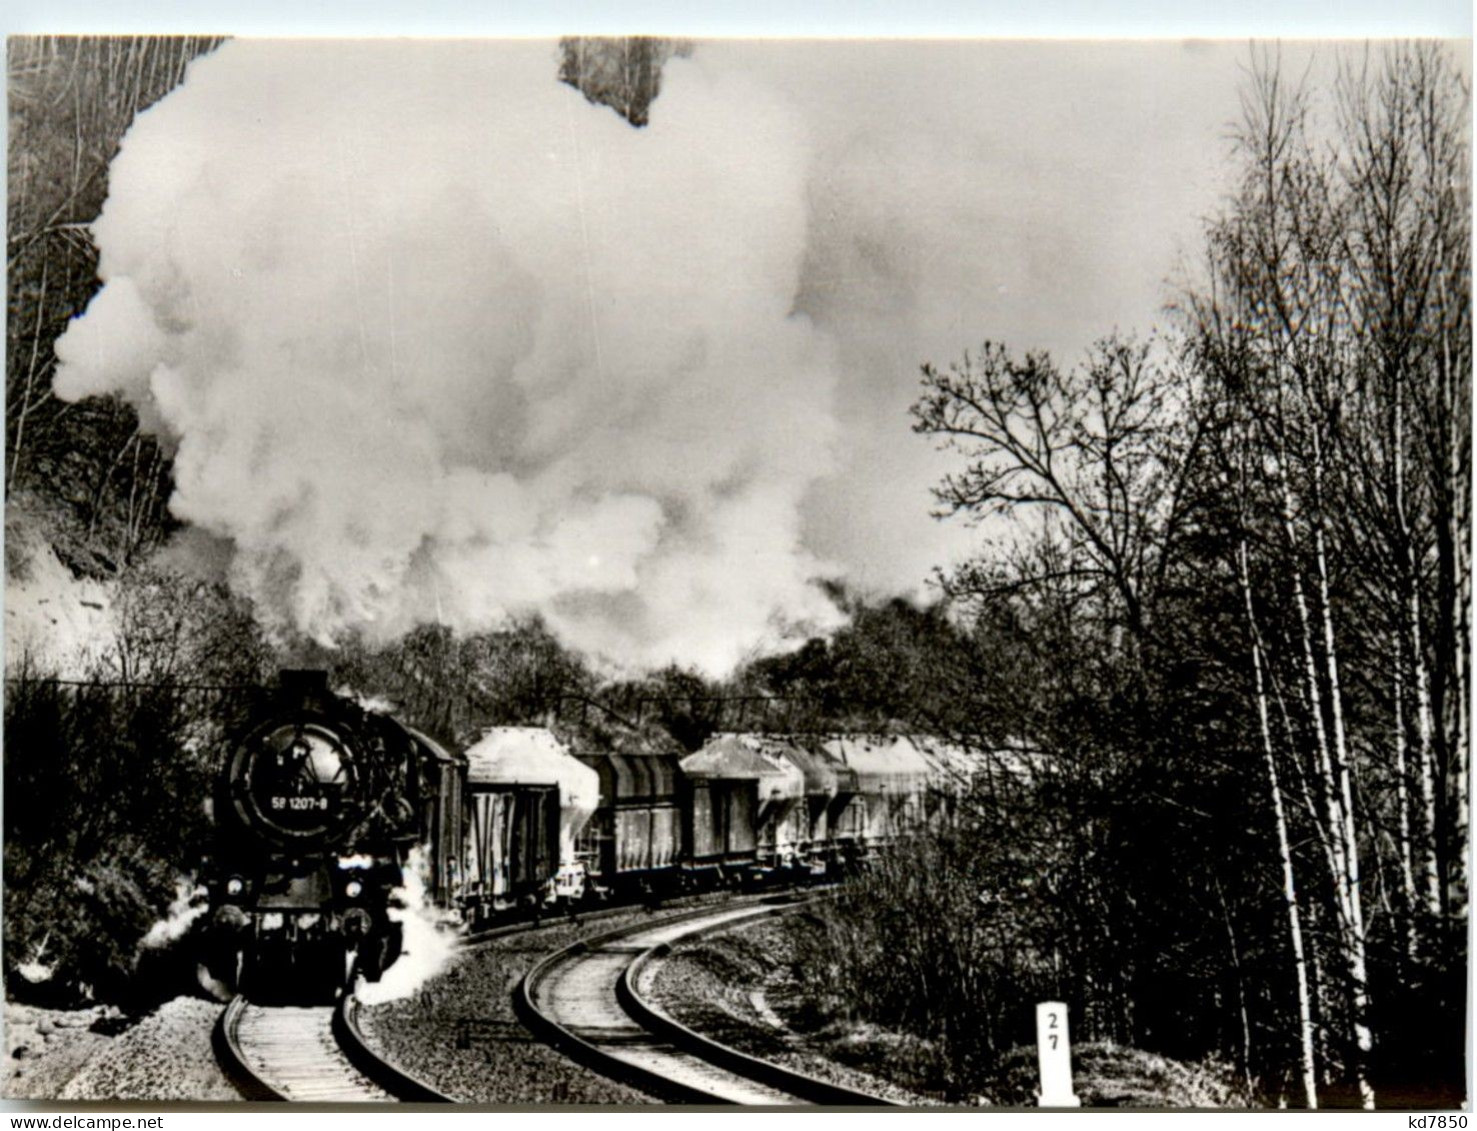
(818, 18)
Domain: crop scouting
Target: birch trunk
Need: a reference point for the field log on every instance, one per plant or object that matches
(1414, 654)
(1402, 804)
(1284, 849)
(1425, 762)
(1456, 395)
(1332, 818)
(1351, 930)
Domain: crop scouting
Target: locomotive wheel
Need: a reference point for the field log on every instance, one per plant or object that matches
(350, 970)
(219, 971)
(212, 985)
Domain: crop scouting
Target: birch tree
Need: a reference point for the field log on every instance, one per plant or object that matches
(1404, 173)
(1336, 302)
(1278, 291)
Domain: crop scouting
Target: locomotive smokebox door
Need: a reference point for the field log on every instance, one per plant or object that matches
(295, 782)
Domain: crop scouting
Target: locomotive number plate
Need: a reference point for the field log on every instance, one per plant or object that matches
(299, 803)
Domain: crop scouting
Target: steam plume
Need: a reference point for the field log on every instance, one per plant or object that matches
(436, 340)
(426, 948)
(189, 903)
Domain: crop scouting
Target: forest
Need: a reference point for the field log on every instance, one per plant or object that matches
(1223, 594)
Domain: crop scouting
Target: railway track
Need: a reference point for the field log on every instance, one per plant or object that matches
(583, 1000)
(317, 1054)
(308, 1054)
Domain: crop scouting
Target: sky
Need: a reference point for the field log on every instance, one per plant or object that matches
(1036, 194)
(433, 339)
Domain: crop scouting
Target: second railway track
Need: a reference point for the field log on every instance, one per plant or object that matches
(581, 999)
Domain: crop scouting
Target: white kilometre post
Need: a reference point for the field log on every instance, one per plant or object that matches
(1056, 1056)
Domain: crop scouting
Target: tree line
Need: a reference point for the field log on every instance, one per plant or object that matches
(1232, 606)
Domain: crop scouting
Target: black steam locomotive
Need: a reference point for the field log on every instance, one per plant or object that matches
(317, 811)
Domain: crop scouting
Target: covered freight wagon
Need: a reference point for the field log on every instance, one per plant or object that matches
(439, 796)
(782, 826)
(634, 840)
(527, 798)
(952, 777)
(739, 789)
(828, 785)
(889, 777)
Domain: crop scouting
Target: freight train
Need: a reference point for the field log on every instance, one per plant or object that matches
(330, 816)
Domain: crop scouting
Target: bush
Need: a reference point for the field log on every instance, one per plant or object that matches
(937, 941)
(105, 783)
(1108, 1075)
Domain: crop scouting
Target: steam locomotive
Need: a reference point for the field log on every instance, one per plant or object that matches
(317, 811)
(331, 818)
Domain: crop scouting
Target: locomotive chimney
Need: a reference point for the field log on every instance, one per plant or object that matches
(303, 685)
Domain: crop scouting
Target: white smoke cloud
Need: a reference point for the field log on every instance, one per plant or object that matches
(190, 902)
(435, 339)
(1036, 193)
(427, 945)
(439, 340)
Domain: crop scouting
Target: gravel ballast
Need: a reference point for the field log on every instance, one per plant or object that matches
(45, 1048)
(501, 1062)
(737, 988)
(165, 1057)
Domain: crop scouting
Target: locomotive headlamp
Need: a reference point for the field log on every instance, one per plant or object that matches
(231, 919)
(353, 888)
(235, 886)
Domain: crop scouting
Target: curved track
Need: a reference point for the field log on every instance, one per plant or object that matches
(308, 1054)
(582, 1000)
(317, 1054)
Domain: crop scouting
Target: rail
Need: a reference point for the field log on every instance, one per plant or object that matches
(810, 1088)
(308, 1054)
(778, 1085)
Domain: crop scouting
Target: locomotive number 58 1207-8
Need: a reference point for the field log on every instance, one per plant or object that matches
(299, 803)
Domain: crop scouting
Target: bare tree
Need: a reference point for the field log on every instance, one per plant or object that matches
(1335, 305)
(1102, 449)
(1404, 174)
